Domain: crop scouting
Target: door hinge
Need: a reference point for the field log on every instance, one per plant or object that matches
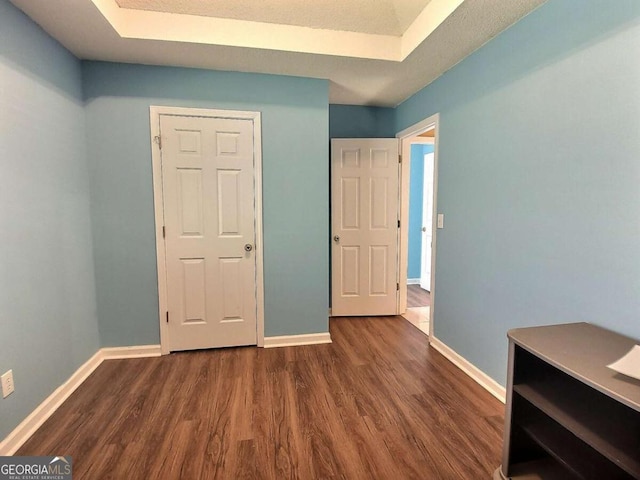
(158, 140)
(164, 231)
(397, 287)
(399, 158)
(167, 317)
(398, 223)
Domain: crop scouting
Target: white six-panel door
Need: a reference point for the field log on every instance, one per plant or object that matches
(364, 199)
(208, 199)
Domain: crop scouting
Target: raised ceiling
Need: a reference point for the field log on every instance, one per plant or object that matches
(383, 17)
(287, 37)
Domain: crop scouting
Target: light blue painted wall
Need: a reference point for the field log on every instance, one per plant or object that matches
(549, 234)
(355, 121)
(295, 122)
(416, 194)
(48, 325)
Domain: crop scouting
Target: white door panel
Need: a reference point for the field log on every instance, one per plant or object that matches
(427, 222)
(209, 198)
(364, 183)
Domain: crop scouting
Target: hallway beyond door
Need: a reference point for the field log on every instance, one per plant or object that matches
(418, 307)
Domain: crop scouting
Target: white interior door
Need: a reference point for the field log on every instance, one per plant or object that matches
(208, 198)
(364, 210)
(427, 222)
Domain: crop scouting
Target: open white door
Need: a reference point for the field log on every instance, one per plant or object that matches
(427, 222)
(364, 210)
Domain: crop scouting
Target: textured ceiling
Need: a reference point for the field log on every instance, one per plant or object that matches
(83, 29)
(384, 17)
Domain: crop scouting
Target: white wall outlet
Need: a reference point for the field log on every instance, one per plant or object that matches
(7, 384)
(441, 220)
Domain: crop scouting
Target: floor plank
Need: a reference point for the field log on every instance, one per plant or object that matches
(377, 403)
(417, 296)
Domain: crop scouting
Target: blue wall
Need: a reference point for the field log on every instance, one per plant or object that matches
(549, 234)
(354, 121)
(416, 184)
(295, 122)
(47, 291)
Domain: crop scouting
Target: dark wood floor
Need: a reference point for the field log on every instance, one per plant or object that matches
(417, 297)
(378, 403)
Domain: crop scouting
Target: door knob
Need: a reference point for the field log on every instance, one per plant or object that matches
(248, 247)
(336, 238)
(424, 229)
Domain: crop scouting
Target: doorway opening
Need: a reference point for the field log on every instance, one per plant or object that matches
(417, 233)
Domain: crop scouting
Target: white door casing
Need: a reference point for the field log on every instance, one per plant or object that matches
(406, 137)
(427, 219)
(364, 210)
(209, 174)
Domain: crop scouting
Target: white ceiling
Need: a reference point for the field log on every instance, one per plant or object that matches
(384, 17)
(364, 68)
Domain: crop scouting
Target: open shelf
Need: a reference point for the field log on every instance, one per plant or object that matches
(561, 444)
(604, 429)
(567, 415)
(542, 469)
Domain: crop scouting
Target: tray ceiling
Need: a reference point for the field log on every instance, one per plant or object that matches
(363, 68)
(383, 17)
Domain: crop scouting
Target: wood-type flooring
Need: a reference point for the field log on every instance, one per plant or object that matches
(417, 297)
(377, 403)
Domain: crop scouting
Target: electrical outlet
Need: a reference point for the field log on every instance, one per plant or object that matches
(7, 384)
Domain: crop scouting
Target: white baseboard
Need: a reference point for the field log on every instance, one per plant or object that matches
(296, 340)
(141, 351)
(29, 425)
(484, 380)
(42, 412)
(413, 281)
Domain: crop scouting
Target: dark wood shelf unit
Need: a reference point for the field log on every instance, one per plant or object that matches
(567, 414)
(577, 457)
(612, 437)
(542, 469)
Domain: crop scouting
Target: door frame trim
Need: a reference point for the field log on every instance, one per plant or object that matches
(154, 120)
(403, 248)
